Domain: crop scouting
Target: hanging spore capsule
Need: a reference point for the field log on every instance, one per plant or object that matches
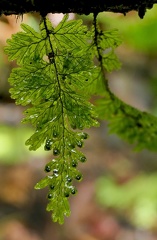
(56, 152)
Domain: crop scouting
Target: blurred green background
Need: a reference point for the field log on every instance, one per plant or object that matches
(117, 198)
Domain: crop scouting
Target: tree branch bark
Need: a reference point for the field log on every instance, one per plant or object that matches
(9, 7)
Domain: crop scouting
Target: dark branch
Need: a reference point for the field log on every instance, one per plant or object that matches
(9, 7)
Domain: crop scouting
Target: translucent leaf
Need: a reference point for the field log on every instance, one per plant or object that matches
(42, 183)
(71, 34)
(110, 61)
(60, 208)
(136, 127)
(25, 45)
(110, 39)
(104, 45)
(44, 30)
(56, 70)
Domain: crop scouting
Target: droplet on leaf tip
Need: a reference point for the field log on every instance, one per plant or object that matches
(47, 168)
(52, 187)
(69, 179)
(84, 135)
(48, 145)
(66, 194)
(56, 152)
(55, 134)
(80, 144)
(78, 177)
(73, 191)
(49, 196)
(55, 171)
(83, 159)
(71, 145)
(74, 163)
(47, 148)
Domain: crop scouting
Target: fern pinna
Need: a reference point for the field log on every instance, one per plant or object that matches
(56, 78)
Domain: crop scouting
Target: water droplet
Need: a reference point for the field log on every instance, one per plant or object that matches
(49, 196)
(69, 179)
(78, 177)
(48, 145)
(79, 144)
(52, 186)
(56, 152)
(83, 159)
(55, 134)
(73, 190)
(84, 135)
(55, 172)
(71, 145)
(47, 168)
(66, 194)
(74, 163)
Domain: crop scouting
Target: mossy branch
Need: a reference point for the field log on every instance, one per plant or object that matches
(8, 7)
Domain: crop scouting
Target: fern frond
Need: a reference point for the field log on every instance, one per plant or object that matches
(132, 125)
(59, 70)
(136, 127)
(104, 45)
(54, 74)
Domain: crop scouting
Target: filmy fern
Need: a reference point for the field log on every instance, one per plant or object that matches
(56, 78)
(53, 77)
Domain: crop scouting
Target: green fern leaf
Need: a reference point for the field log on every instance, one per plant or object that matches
(54, 74)
(110, 61)
(25, 45)
(136, 127)
(71, 34)
(104, 45)
(109, 39)
(56, 78)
